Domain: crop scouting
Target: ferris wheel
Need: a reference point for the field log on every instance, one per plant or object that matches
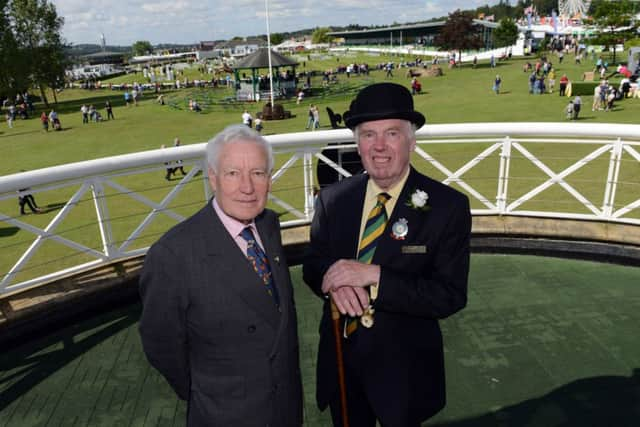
(572, 8)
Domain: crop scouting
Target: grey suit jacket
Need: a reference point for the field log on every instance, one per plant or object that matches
(211, 329)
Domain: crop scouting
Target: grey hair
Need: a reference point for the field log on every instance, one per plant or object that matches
(356, 131)
(233, 134)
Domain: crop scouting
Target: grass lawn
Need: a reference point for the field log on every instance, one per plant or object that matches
(462, 94)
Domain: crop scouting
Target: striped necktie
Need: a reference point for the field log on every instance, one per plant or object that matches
(260, 263)
(373, 229)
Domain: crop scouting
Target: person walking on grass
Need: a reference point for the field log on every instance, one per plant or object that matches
(496, 84)
(109, 108)
(44, 119)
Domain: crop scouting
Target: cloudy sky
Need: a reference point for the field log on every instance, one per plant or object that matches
(188, 21)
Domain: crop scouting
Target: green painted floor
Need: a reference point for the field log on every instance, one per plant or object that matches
(543, 342)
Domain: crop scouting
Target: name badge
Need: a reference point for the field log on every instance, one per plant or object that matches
(414, 249)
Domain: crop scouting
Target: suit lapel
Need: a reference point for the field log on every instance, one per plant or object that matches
(388, 245)
(241, 277)
(348, 224)
(279, 270)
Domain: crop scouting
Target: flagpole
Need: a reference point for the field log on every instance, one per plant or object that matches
(266, 7)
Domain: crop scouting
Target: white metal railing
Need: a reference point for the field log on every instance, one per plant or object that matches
(96, 183)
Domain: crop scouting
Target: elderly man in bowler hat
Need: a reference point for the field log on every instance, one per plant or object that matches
(391, 249)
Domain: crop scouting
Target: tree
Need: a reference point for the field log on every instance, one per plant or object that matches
(506, 34)
(459, 33)
(141, 47)
(276, 38)
(8, 52)
(321, 35)
(614, 23)
(39, 47)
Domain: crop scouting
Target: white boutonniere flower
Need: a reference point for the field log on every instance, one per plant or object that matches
(418, 201)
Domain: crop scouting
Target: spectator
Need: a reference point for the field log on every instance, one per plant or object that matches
(171, 170)
(176, 143)
(532, 81)
(109, 108)
(45, 121)
(247, 119)
(54, 120)
(389, 68)
(569, 110)
(496, 84)
(258, 124)
(316, 118)
(611, 96)
(93, 113)
(577, 104)
(564, 81)
(26, 198)
(9, 119)
(310, 117)
(416, 87)
(552, 79)
(597, 98)
(85, 114)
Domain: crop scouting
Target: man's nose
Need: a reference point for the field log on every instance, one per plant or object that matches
(246, 184)
(379, 143)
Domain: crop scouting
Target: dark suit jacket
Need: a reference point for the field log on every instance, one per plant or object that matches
(210, 327)
(401, 357)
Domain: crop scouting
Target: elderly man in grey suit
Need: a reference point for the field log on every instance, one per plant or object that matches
(218, 318)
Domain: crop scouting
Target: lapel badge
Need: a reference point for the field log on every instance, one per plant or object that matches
(276, 259)
(399, 229)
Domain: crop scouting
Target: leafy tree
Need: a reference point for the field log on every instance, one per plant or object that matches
(39, 47)
(506, 34)
(276, 38)
(614, 23)
(141, 47)
(321, 35)
(459, 33)
(8, 52)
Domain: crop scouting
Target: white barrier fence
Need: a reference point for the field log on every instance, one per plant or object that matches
(556, 170)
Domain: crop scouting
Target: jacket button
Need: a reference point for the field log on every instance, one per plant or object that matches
(251, 329)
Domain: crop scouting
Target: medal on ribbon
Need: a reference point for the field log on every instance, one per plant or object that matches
(399, 229)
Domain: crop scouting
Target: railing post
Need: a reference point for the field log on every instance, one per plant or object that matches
(612, 179)
(503, 175)
(104, 221)
(308, 184)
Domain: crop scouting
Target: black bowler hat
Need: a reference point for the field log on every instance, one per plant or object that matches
(382, 101)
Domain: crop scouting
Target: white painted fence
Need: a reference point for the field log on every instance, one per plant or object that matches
(104, 185)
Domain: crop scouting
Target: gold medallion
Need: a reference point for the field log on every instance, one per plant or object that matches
(366, 319)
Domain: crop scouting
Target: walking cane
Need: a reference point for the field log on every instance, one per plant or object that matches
(335, 316)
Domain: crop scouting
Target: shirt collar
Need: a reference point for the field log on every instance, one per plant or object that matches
(374, 189)
(233, 226)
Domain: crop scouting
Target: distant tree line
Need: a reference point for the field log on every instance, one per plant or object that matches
(31, 48)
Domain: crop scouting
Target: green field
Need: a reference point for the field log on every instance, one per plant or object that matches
(462, 94)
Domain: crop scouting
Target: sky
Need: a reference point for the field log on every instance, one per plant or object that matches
(124, 22)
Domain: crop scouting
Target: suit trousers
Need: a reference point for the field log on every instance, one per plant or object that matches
(359, 408)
